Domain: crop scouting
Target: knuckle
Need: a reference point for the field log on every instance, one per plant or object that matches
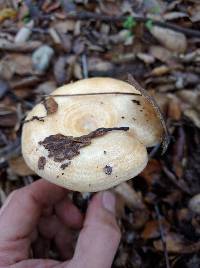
(15, 194)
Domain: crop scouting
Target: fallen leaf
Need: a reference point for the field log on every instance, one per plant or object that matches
(24, 33)
(4, 87)
(161, 70)
(60, 70)
(176, 243)
(66, 26)
(172, 40)
(7, 13)
(151, 229)
(8, 117)
(20, 64)
(146, 58)
(160, 53)
(46, 88)
(152, 169)
(174, 108)
(77, 71)
(41, 58)
(19, 167)
(130, 196)
(51, 105)
(193, 115)
(194, 204)
(96, 64)
(29, 46)
(174, 15)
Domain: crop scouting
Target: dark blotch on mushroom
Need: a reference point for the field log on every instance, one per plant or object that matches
(104, 152)
(62, 147)
(41, 162)
(136, 102)
(63, 166)
(107, 169)
(122, 117)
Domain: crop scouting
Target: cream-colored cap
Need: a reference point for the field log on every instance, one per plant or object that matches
(65, 146)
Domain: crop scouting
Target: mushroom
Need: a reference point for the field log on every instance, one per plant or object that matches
(93, 138)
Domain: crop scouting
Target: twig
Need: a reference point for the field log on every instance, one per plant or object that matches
(154, 151)
(101, 17)
(22, 47)
(162, 236)
(41, 119)
(173, 178)
(24, 82)
(84, 65)
(93, 94)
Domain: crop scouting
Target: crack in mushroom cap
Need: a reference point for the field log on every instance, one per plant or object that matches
(76, 116)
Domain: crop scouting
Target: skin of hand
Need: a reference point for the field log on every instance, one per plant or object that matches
(42, 212)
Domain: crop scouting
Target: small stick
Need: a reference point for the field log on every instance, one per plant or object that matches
(172, 177)
(34, 118)
(93, 94)
(96, 16)
(162, 236)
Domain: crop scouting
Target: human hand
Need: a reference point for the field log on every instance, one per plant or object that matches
(42, 209)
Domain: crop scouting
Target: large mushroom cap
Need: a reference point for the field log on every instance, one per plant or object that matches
(61, 141)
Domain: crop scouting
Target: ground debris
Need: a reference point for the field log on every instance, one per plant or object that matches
(62, 147)
(157, 41)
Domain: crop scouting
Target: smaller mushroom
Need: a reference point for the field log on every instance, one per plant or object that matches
(85, 146)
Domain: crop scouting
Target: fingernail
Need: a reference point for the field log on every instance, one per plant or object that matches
(109, 201)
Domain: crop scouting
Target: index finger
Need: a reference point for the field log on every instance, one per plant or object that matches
(21, 211)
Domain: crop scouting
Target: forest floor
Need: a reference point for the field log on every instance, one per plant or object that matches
(158, 42)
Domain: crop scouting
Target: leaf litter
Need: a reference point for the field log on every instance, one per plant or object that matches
(50, 43)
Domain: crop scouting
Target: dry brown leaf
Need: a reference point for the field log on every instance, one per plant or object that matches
(175, 15)
(96, 64)
(147, 58)
(151, 229)
(60, 70)
(172, 40)
(193, 115)
(51, 105)
(8, 117)
(176, 243)
(7, 13)
(161, 53)
(64, 27)
(19, 167)
(21, 64)
(29, 46)
(129, 195)
(152, 169)
(174, 109)
(161, 70)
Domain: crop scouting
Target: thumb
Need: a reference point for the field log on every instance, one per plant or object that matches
(99, 239)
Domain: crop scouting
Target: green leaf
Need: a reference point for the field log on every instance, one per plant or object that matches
(129, 23)
(26, 18)
(149, 24)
